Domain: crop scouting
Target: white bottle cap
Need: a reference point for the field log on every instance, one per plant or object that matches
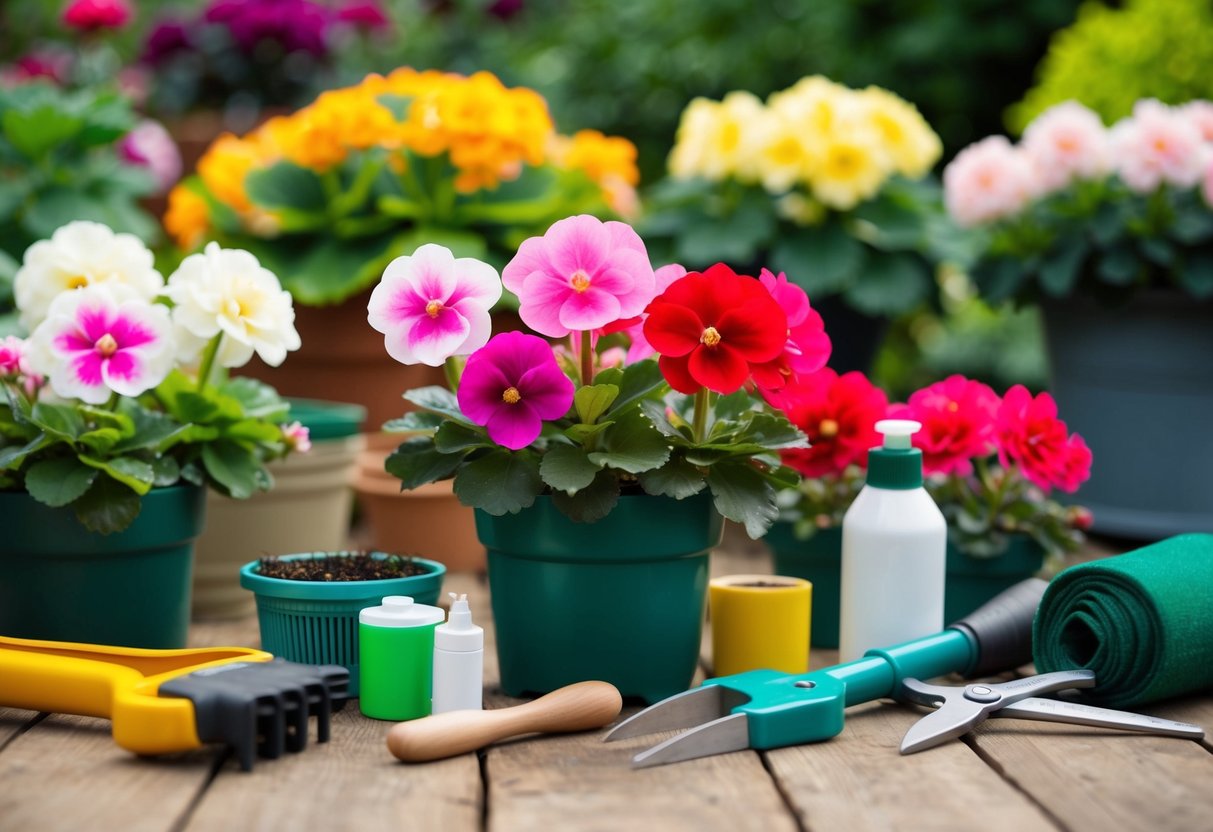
(897, 432)
(400, 611)
(459, 634)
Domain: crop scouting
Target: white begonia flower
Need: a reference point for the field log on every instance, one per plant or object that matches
(81, 254)
(229, 291)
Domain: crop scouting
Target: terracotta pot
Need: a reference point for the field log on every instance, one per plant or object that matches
(428, 521)
(343, 359)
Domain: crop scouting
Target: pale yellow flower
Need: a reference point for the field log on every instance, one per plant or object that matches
(851, 166)
(783, 153)
(718, 139)
(813, 104)
(906, 136)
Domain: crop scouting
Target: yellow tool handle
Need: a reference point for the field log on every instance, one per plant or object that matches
(118, 683)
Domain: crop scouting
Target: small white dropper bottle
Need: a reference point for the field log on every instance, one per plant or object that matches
(894, 548)
(458, 661)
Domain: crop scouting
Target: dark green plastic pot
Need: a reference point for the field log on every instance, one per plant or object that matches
(620, 600)
(970, 581)
(61, 582)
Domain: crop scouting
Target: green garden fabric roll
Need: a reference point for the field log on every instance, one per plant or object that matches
(1143, 621)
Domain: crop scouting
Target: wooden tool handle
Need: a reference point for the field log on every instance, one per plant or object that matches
(578, 707)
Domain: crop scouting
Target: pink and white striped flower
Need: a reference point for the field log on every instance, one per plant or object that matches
(1158, 144)
(431, 305)
(101, 340)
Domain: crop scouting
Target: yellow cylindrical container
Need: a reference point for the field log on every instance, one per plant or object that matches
(760, 622)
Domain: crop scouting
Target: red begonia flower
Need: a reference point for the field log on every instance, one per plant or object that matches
(839, 415)
(712, 328)
(1032, 437)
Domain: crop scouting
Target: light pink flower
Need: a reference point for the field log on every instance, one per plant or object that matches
(581, 275)
(1065, 143)
(149, 145)
(1207, 188)
(987, 181)
(12, 355)
(1157, 145)
(1200, 114)
(432, 305)
(297, 436)
(101, 340)
(640, 347)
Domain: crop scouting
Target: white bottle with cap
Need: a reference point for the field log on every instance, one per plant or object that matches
(894, 548)
(458, 661)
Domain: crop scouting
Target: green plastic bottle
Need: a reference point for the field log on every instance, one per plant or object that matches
(396, 652)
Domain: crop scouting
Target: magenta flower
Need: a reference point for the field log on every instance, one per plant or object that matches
(101, 340)
(808, 347)
(511, 385)
(431, 305)
(87, 15)
(581, 275)
(12, 356)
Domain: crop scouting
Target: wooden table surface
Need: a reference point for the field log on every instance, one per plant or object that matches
(61, 772)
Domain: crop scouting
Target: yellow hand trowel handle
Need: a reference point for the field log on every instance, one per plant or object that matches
(118, 683)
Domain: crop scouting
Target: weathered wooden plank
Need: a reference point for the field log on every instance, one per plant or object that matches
(1196, 709)
(12, 722)
(858, 781)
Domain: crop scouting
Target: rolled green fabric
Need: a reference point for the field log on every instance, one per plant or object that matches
(1143, 621)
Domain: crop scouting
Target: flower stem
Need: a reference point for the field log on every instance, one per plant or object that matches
(453, 369)
(587, 357)
(699, 423)
(208, 361)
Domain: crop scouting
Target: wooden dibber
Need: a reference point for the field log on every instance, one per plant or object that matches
(578, 707)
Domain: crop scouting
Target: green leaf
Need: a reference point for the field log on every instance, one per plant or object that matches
(11, 456)
(397, 105)
(108, 506)
(741, 494)
(735, 238)
(632, 444)
(101, 440)
(57, 482)
(437, 400)
(116, 419)
(890, 284)
(1157, 251)
(1106, 224)
(285, 185)
(591, 503)
(61, 421)
(639, 381)
(656, 414)
(35, 132)
(416, 462)
(1119, 266)
(232, 466)
(258, 399)
(999, 278)
(254, 430)
(579, 433)
(1197, 275)
(320, 270)
(165, 471)
(415, 421)
(772, 431)
(454, 437)
(151, 430)
(593, 400)
(567, 468)
(1060, 271)
(207, 407)
(730, 408)
(822, 260)
(135, 474)
(678, 478)
(500, 482)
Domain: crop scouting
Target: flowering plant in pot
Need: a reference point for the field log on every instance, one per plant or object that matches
(990, 463)
(1111, 231)
(824, 182)
(116, 400)
(649, 422)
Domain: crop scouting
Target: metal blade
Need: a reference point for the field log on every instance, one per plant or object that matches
(729, 733)
(1059, 710)
(951, 720)
(689, 709)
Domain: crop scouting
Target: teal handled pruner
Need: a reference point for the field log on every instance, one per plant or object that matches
(767, 709)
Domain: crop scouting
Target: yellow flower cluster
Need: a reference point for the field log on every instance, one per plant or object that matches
(839, 144)
(608, 161)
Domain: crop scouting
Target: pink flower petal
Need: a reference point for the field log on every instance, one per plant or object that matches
(433, 339)
(547, 390)
(480, 389)
(514, 426)
(589, 309)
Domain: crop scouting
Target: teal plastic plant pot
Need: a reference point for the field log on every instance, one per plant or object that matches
(61, 582)
(817, 560)
(973, 581)
(316, 622)
(327, 420)
(621, 600)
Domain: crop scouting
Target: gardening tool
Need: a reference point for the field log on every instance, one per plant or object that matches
(577, 707)
(163, 701)
(768, 709)
(960, 709)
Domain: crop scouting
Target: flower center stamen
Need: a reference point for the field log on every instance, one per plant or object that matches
(511, 395)
(710, 337)
(106, 345)
(77, 281)
(433, 308)
(828, 428)
(580, 281)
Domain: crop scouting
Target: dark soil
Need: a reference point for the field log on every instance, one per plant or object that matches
(341, 566)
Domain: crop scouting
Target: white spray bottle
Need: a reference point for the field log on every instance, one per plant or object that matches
(458, 661)
(894, 544)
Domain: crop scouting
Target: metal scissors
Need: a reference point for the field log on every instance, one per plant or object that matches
(960, 709)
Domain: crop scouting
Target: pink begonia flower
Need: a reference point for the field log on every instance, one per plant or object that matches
(511, 385)
(101, 340)
(1030, 436)
(957, 417)
(1065, 143)
(808, 347)
(87, 15)
(987, 181)
(12, 355)
(1207, 186)
(582, 274)
(1200, 114)
(431, 305)
(150, 146)
(640, 347)
(1158, 144)
(297, 436)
